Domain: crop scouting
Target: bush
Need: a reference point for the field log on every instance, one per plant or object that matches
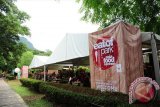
(89, 91)
(80, 96)
(73, 88)
(83, 75)
(83, 98)
(10, 77)
(64, 96)
(31, 83)
(1, 75)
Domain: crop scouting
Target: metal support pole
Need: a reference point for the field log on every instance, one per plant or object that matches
(44, 73)
(155, 59)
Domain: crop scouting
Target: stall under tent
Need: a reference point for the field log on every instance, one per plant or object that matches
(38, 62)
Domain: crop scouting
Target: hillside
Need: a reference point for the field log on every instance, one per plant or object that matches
(27, 42)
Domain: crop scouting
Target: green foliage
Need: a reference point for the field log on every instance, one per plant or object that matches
(25, 59)
(41, 53)
(89, 91)
(18, 88)
(40, 103)
(10, 62)
(80, 96)
(73, 88)
(31, 98)
(63, 96)
(74, 98)
(27, 56)
(31, 83)
(83, 74)
(84, 68)
(77, 96)
(141, 12)
(11, 20)
(1, 74)
(10, 77)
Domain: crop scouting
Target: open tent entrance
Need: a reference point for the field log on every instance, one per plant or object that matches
(151, 51)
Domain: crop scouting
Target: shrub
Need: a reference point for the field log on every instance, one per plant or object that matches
(83, 75)
(64, 96)
(73, 88)
(80, 96)
(31, 83)
(10, 77)
(1, 75)
(89, 91)
(85, 98)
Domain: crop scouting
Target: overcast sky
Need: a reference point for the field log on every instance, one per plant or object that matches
(51, 20)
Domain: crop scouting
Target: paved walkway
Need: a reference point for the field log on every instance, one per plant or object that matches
(9, 98)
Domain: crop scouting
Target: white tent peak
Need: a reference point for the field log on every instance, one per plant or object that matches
(42, 58)
(38, 61)
(73, 45)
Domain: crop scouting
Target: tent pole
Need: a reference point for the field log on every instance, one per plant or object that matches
(44, 73)
(155, 58)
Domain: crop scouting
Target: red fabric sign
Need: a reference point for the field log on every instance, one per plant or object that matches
(105, 52)
(115, 56)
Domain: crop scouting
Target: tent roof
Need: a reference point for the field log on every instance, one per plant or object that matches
(72, 46)
(146, 38)
(38, 61)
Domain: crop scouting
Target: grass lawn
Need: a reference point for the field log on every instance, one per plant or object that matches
(32, 99)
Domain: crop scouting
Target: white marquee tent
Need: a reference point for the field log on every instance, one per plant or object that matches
(71, 47)
(38, 61)
(74, 48)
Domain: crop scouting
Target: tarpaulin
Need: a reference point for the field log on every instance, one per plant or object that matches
(115, 57)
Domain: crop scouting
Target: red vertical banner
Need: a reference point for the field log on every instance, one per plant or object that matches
(25, 72)
(115, 57)
(105, 52)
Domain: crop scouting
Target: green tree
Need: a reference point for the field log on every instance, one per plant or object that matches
(11, 26)
(27, 56)
(26, 59)
(12, 59)
(42, 53)
(145, 13)
(48, 52)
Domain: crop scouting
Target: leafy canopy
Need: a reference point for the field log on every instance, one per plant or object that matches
(145, 13)
(28, 55)
(26, 59)
(11, 26)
